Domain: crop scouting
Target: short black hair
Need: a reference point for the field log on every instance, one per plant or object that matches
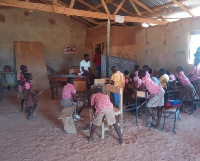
(181, 68)
(86, 55)
(141, 73)
(126, 72)
(163, 70)
(145, 67)
(137, 67)
(132, 76)
(150, 71)
(168, 72)
(27, 76)
(70, 80)
(22, 67)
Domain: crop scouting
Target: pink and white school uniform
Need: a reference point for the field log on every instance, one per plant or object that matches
(22, 91)
(172, 77)
(137, 81)
(187, 89)
(196, 73)
(147, 74)
(67, 93)
(156, 91)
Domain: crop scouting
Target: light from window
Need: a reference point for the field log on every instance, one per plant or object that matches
(194, 44)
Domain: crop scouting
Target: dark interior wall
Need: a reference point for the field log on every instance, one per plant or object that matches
(53, 30)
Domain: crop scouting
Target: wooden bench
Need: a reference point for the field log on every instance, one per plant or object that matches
(101, 83)
(67, 119)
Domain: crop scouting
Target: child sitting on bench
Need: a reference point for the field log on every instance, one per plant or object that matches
(69, 97)
(103, 107)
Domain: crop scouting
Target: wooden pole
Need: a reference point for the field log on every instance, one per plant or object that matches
(108, 48)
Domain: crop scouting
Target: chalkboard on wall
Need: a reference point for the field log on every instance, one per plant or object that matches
(121, 63)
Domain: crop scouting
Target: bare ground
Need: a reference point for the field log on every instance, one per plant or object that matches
(45, 140)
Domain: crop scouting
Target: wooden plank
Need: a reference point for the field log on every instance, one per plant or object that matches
(74, 12)
(101, 81)
(105, 7)
(90, 6)
(183, 7)
(119, 7)
(114, 89)
(135, 7)
(143, 6)
(72, 4)
(31, 54)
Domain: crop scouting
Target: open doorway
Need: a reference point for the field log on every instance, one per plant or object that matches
(100, 47)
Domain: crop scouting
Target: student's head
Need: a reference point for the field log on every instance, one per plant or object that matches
(126, 72)
(23, 68)
(145, 68)
(150, 71)
(28, 76)
(179, 69)
(162, 71)
(132, 76)
(114, 69)
(196, 61)
(141, 73)
(86, 57)
(168, 72)
(70, 80)
(97, 51)
(136, 68)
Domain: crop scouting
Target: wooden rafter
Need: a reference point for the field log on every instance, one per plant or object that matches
(183, 7)
(119, 7)
(74, 12)
(90, 6)
(143, 6)
(105, 7)
(72, 4)
(135, 8)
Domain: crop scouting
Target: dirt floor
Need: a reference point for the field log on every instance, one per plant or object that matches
(45, 140)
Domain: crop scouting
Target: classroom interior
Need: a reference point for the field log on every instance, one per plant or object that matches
(51, 38)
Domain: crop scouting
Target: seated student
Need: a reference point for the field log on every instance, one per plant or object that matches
(86, 70)
(68, 95)
(127, 77)
(146, 69)
(137, 81)
(21, 82)
(31, 96)
(117, 79)
(187, 88)
(156, 99)
(103, 107)
(136, 69)
(171, 76)
(164, 78)
(150, 71)
(195, 73)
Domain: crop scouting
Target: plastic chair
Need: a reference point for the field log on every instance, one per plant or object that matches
(172, 111)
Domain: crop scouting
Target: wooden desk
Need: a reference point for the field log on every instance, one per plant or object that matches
(63, 78)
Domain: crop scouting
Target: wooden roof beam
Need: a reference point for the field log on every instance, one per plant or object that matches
(73, 12)
(135, 7)
(143, 6)
(105, 7)
(119, 7)
(90, 6)
(183, 7)
(72, 4)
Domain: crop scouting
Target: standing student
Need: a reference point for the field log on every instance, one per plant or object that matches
(156, 98)
(164, 78)
(187, 88)
(85, 68)
(31, 96)
(103, 107)
(117, 79)
(97, 61)
(21, 82)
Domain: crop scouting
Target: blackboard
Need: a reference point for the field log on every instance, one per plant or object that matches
(121, 63)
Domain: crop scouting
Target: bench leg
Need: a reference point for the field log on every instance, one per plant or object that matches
(102, 130)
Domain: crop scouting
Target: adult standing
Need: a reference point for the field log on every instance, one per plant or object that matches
(85, 68)
(97, 61)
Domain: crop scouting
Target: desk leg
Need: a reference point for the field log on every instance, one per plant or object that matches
(52, 89)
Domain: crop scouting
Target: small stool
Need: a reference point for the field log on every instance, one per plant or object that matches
(67, 119)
